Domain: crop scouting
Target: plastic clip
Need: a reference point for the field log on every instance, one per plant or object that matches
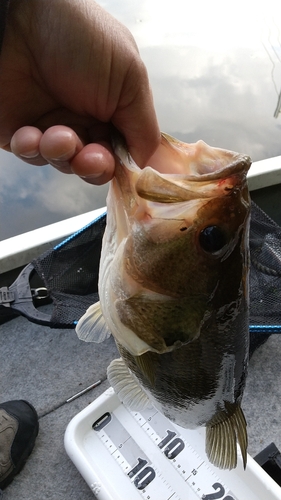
(6, 296)
(40, 293)
(19, 296)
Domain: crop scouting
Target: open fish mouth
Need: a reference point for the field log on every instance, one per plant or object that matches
(178, 180)
(197, 159)
(179, 168)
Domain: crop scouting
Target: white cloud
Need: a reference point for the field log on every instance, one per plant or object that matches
(32, 197)
(69, 195)
(215, 25)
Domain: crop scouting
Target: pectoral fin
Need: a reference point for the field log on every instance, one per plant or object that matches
(92, 327)
(126, 386)
(222, 434)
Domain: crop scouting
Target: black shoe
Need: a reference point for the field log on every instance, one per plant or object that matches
(18, 430)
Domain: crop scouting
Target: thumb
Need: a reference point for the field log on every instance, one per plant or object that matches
(138, 124)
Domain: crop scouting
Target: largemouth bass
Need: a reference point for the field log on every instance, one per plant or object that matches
(173, 288)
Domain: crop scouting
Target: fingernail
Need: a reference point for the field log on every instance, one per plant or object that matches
(89, 177)
(30, 154)
(65, 156)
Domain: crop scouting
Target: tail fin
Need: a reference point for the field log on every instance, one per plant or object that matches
(222, 436)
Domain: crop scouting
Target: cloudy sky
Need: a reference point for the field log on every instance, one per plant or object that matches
(215, 72)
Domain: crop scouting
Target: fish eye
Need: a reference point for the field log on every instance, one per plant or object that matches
(212, 239)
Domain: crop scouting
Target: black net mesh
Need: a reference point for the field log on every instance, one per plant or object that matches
(265, 278)
(70, 273)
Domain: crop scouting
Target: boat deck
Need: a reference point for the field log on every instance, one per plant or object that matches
(47, 367)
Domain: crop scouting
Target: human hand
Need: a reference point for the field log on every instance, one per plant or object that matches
(69, 72)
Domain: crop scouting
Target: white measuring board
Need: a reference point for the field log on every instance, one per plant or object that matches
(125, 455)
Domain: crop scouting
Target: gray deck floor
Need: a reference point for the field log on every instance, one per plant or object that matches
(47, 366)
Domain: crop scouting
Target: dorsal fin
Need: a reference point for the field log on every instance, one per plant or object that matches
(92, 327)
(126, 386)
(222, 434)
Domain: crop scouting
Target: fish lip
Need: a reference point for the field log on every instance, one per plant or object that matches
(228, 184)
(237, 168)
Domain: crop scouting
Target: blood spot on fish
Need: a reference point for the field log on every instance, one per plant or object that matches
(228, 186)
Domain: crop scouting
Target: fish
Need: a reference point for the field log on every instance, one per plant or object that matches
(173, 289)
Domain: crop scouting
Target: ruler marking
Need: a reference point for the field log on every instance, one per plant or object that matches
(141, 472)
(171, 496)
(173, 442)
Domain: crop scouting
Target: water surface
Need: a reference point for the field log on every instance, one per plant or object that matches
(215, 71)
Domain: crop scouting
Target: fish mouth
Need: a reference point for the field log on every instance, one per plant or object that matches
(193, 160)
(179, 172)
